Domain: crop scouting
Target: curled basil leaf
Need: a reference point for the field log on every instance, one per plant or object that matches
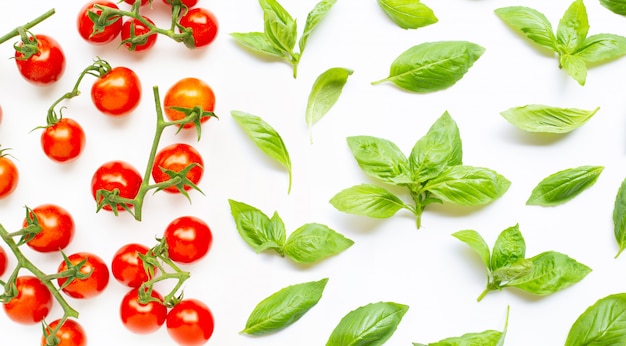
(564, 185)
(547, 119)
(324, 94)
(603, 323)
(408, 14)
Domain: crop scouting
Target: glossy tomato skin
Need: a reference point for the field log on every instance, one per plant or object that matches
(130, 2)
(116, 175)
(88, 287)
(57, 228)
(176, 157)
(188, 3)
(32, 303)
(4, 261)
(9, 176)
(190, 323)
(188, 93)
(64, 141)
(46, 66)
(71, 333)
(135, 26)
(188, 239)
(203, 24)
(142, 318)
(85, 25)
(127, 267)
(118, 92)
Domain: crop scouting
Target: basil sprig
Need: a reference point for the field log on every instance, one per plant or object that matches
(603, 323)
(324, 94)
(280, 33)
(369, 325)
(507, 266)
(547, 119)
(284, 307)
(309, 243)
(433, 173)
(575, 50)
(408, 14)
(564, 185)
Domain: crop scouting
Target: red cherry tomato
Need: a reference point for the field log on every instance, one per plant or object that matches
(176, 157)
(57, 228)
(188, 93)
(3, 261)
(118, 92)
(88, 287)
(131, 2)
(44, 67)
(190, 322)
(9, 175)
(116, 175)
(63, 141)
(0, 114)
(188, 3)
(127, 267)
(142, 318)
(188, 239)
(32, 303)
(71, 333)
(203, 24)
(85, 24)
(133, 28)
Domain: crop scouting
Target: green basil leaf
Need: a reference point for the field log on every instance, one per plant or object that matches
(381, 159)
(255, 228)
(408, 14)
(575, 67)
(602, 47)
(564, 185)
(277, 231)
(257, 42)
(369, 325)
(280, 27)
(367, 200)
(314, 17)
(283, 308)
(603, 323)
(476, 242)
(433, 66)
(512, 271)
(533, 24)
(486, 338)
(440, 148)
(552, 271)
(325, 93)
(619, 218)
(313, 242)
(573, 27)
(547, 119)
(509, 248)
(615, 6)
(468, 185)
(265, 138)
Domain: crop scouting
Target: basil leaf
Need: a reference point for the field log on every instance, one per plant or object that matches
(367, 200)
(564, 185)
(325, 93)
(512, 271)
(509, 248)
(440, 148)
(603, 323)
(258, 42)
(573, 27)
(602, 47)
(433, 66)
(255, 228)
(314, 17)
(486, 338)
(381, 159)
(619, 218)
(531, 23)
(552, 271)
(280, 27)
(283, 308)
(476, 242)
(313, 242)
(369, 325)
(575, 67)
(277, 231)
(408, 14)
(468, 185)
(265, 138)
(615, 6)
(547, 119)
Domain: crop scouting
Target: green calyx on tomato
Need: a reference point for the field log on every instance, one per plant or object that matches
(28, 47)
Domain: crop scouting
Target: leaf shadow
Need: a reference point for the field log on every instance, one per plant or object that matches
(534, 138)
(452, 210)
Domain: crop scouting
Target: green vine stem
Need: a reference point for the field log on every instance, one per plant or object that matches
(29, 47)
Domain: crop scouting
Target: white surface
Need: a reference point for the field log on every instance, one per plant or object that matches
(427, 269)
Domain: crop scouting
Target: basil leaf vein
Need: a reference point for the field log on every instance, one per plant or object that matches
(408, 14)
(325, 92)
(564, 185)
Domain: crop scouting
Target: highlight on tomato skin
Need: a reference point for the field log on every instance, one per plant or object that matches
(32, 303)
(64, 141)
(133, 28)
(127, 267)
(142, 318)
(44, 67)
(57, 228)
(85, 25)
(95, 270)
(176, 157)
(9, 175)
(190, 322)
(188, 239)
(71, 333)
(188, 92)
(118, 92)
(118, 175)
(204, 26)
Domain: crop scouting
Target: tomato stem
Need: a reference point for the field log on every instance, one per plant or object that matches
(16, 32)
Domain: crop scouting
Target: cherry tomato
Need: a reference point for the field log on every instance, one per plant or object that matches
(188, 239)
(188, 93)
(116, 175)
(44, 67)
(133, 28)
(176, 157)
(9, 175)
(85, 24)
(0, 114)
(142, 318)
(203, 24)
(131, 2)
(63, 141)
(3, 261)
(190, 322)
(71, 333)
(127, 267)
(32, 303)
(57, 228)
(118, 92)
(188, 3)
(88, 287)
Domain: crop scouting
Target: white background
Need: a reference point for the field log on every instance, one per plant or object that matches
(437, 276)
